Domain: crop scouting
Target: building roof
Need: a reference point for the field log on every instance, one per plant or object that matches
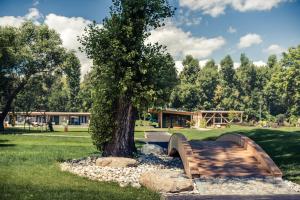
(53, 113)
(182, 112)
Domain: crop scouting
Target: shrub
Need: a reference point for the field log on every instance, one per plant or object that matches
(280, 119)
(202, 123)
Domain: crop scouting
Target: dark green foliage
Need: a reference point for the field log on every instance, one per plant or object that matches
(190, 71)
(263, 91)
(72, 71)
(26, 53)
(127, 74)
(85, 93)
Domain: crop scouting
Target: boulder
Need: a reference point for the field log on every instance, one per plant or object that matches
(116, 162)
(166, 181)
(152, 149)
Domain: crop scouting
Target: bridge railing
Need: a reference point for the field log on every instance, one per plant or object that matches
(178, 145)
(255, 150)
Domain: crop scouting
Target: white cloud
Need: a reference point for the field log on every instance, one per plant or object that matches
(16, 21)
(236, 65)
(33, 14)
(218, 7)
(231, 30)
(274, 49)
(259, 63)
(202, 63)
(179, 66)
(180, 43)
(11, 21)
(187, 18)
(69, 29)
(249, 40)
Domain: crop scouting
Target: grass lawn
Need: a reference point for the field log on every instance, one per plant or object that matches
(29, 164)
(29, 170)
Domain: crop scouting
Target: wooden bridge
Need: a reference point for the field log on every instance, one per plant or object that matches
(231, 155)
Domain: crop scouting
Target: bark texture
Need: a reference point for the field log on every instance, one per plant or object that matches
(8, 103)
(122, 143)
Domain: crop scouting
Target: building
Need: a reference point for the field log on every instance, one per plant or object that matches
(57, 118)
(178, 118)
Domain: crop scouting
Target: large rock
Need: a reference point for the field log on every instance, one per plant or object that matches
(152, 149)
(116, 162)
(166, 181)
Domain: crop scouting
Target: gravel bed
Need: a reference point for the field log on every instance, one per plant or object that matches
(246, 186)
(87, 167)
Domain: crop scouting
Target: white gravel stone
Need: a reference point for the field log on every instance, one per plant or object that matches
(124, 176)
(129, 176)
(246, 186)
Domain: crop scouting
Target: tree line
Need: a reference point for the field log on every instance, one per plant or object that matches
(263, 92)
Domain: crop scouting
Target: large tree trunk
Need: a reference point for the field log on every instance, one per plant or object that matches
(122, 143)
(8, 104)
(4, 113)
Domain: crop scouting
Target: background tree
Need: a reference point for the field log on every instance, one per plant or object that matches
(227, 93)
(58, 98)
(72, 70)
(85, 93)
(25, 53)
(283, 90)
(128, 73)
(190, 70)
(207, 81)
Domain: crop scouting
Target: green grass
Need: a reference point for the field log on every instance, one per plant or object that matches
(29, 164)
(29, 169)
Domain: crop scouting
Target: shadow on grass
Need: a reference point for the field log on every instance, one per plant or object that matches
(2, 144)
(73, 131)
(21, 131)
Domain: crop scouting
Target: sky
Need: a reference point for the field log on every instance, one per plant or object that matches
(205, 29)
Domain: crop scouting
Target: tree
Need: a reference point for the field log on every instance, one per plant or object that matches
(58, 99)
(227, 95)
(128, 73)
(72, 71)
(207, 82)
(85, 93)
(26, 53)
(284, 87)
(227, 72)
(190, 70)
(185, 96)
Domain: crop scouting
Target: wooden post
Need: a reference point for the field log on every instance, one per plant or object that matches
(221, 118)
(241, 120)
(160, 118)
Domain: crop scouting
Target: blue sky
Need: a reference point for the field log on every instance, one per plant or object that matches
(204, 28)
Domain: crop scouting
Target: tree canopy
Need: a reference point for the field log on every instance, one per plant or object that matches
(264, 91)
(127, 73)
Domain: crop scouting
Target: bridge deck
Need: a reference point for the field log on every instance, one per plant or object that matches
(231, 155)
(226, 159)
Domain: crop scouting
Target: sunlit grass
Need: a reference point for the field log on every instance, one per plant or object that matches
(29, 169)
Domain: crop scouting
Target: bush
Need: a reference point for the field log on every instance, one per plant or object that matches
(263, 123)
(280, 119)
(202, 123)
(293, 120)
